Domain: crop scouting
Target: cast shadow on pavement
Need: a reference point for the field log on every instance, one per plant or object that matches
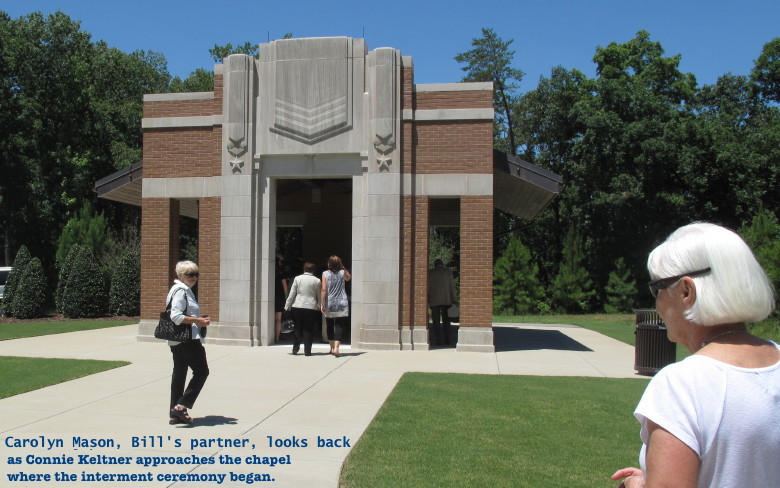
(512, 339)
(212, 421)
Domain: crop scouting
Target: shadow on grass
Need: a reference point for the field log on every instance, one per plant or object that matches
(511, 339)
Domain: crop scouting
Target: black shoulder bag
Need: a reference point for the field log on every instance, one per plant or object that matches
(167, 328)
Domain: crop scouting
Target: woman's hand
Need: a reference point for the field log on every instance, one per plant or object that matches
(632, 478)
(204, 321)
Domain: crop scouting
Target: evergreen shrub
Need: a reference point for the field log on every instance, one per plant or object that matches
(30, 296)
(85, 294)
(20, 262)
(125, 293)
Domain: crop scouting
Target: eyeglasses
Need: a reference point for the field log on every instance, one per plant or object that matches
(192, 275)
(664, 283)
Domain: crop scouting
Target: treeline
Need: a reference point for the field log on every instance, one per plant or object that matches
(641, 146)
(70, 114)
(643, 149)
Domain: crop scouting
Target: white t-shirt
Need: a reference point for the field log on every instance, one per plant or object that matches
(729, 416)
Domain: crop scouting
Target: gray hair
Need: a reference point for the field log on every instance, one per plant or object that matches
(185, 267)
(736, 290)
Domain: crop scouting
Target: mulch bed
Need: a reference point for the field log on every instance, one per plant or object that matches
(60, 318)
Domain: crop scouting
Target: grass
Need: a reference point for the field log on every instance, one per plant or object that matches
(484, 430)
(19, 330)
(22, 374)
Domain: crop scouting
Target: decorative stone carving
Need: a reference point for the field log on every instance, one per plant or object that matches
(237, 116)
(385, 100)
(313, 79)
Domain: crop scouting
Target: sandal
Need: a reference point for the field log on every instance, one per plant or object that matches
(181, 416)
(176, 420)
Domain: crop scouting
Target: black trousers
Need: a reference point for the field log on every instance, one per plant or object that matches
(307, 323)
(439, 314)
(186, 355)
(335, 327)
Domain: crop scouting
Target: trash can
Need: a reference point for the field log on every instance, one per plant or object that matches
(653, 348)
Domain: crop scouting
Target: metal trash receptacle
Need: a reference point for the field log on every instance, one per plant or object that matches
(653, 349)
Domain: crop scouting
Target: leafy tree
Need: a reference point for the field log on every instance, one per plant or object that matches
(65, 270)
(125, 292)
(766, 71)
(444, 244)
(12, 284)
(763, 237)
(86, 229)
(199, 80)
(516, 288)
(572, 288)
(70, 113)
(490, 59)
(621, 289)
(85, 294)
(221, 52)
(30, 297)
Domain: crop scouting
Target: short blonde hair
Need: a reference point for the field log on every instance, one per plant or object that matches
(736, 290)
(185, 267)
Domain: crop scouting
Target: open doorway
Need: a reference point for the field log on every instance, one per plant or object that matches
(314, 221)
(444, 245)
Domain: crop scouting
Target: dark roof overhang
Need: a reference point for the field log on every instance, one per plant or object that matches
(521, 188)
(125, 186)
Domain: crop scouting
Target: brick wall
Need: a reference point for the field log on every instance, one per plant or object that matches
(476, 261)
(459, 99)
(209, 228)
(182, 152)
(464, 147)
(159, 252)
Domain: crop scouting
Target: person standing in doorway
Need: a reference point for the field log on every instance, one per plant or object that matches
(303, 300)
(441, 296)
(335, 304)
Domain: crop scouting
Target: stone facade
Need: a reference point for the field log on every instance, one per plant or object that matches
(335, 139)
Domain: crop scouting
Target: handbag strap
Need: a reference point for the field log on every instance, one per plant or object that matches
(186, 302)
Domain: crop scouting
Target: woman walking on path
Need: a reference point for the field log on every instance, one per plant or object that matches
(303, 300)
(191, 354)
(335, 304)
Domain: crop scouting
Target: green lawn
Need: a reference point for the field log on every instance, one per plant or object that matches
(483, 430)
(19, 330)
(21, 374)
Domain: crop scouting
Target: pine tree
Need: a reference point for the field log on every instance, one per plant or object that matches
(125, 293)
(621, 289)
(20, 262)
(86, 229)
(85, 292)
(30, 296)
(516, 288)
(572, 288)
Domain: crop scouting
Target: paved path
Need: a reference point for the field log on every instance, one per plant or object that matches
(252, 397)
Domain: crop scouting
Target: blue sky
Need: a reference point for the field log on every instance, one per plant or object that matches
(714, 37)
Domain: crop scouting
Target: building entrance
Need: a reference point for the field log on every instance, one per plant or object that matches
(313, 222)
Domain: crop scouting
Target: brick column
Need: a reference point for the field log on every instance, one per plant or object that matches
(159, 253)
(209, 211)
(476, 274)
(414, 303)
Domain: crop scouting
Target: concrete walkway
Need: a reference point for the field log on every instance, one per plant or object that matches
(258, 402)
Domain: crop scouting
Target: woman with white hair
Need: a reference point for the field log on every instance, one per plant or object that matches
(191, 354)
(712, 419)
